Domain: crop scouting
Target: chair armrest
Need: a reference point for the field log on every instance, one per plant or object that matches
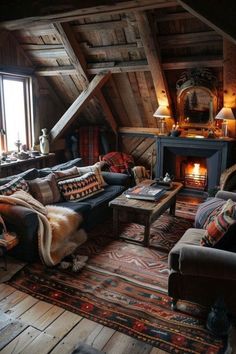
(24, 222)
(226, 195)
(207, 262)
(119, 179)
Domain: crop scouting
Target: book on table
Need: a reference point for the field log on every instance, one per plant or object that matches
(144, 192)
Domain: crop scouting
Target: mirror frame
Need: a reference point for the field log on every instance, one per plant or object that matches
(198, 79)
(183, 122)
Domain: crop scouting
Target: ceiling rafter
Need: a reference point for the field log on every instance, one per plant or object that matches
(153, 58)
(72, 112)
(76, 56)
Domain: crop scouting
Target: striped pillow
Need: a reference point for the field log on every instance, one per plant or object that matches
(11, 187)
(219, 225)
(79, 187)
(45, 189)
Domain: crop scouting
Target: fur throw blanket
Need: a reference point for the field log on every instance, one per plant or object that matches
(58, 234)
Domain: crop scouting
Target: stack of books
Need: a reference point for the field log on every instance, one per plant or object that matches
(144, 192)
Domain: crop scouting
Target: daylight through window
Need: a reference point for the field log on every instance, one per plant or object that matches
(16, 109)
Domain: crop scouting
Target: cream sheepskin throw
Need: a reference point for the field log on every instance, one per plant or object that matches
(58, 234)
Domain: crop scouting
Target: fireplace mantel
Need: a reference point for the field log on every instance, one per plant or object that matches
(218, 153)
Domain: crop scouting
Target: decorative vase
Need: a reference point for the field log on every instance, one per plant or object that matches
(44, 142)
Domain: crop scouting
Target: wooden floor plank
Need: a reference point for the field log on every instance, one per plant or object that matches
(63, 324)
(85, 331)
(100, 341)
(122, 344)
(11, 331)
(41, 344)
(48, 317)
(35, 312)
(23, 306)
(5, 290)
(21, 341)
(11, 300)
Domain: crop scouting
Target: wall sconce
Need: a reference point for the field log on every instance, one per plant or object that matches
(162, 112)
(225, 114)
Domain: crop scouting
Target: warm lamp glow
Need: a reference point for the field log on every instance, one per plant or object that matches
(225, 113)
(162, 112)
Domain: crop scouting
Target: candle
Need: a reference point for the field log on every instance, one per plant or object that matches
(173, 127)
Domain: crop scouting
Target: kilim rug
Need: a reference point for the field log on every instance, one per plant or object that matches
(124, 286)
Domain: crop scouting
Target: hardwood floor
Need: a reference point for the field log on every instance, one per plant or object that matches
(28, 325)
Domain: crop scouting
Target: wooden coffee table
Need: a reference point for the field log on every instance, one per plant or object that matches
(143, 212)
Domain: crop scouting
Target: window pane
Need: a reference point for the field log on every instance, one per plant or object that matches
(14, 112)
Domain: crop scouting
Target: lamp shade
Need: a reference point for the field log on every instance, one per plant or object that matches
(225, 113)
(162, 112)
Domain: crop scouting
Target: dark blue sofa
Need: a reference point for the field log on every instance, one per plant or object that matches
(94, 210)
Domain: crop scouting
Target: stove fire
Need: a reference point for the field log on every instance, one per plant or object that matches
(195, 176)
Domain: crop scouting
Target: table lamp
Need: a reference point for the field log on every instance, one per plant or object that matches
(162, 112)
(224, 114)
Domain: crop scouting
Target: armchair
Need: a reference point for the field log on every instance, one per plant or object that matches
(202, 274)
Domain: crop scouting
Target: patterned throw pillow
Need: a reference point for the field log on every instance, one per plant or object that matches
(11, 187)
(219, 225)
(45, 189)
(79, 187)
(96, 169)
(66, 173)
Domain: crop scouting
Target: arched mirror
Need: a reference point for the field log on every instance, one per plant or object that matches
(196, 98)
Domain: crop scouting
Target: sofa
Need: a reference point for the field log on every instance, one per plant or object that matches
(203, 273)
(94, 209)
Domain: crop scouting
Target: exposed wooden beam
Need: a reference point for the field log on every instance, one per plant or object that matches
(77, 106)
(116, 47)
(188, 39)
(80, 10)
(55, 70)
(114, 68)
(72, 48)
(48, 53)
(193, 62)
(138, 130)
(153, 58)
(220, 16)
(100, 26)
(174, 16)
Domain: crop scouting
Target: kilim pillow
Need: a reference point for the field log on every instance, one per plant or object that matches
(45, 189)
(13, 186)
(79, 187)
(96, 169)
(219, 225)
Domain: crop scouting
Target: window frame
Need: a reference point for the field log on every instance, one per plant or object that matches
(28, 104)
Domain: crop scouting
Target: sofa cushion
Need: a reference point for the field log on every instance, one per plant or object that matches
(45, 189)
(16, 184)
(109, 193)
(27, 175)
(79, 207)
(219, 224)
(66, 173)
(190, 237)
(61, 167)
(79, 187)
(95, 169)
(206, 209)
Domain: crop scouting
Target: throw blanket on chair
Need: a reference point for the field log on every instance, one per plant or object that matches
(58, 234)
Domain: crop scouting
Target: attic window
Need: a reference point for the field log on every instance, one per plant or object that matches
(15, 113)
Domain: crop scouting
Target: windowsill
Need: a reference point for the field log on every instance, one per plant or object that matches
(24, 162)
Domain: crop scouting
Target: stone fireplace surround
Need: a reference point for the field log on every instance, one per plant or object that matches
(217, 152)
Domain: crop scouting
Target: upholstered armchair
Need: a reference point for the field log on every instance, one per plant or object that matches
(228, 179)
(203, 274)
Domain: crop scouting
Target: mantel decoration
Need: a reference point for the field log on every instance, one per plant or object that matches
(225, 114)
(44, 142)
(197, 98)
(162, 112)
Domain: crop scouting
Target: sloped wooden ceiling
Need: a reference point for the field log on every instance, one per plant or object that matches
(145, 45)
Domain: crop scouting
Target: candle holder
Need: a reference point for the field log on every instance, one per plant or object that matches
(18, 145)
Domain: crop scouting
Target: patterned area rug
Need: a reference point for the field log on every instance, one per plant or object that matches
(124, 286)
